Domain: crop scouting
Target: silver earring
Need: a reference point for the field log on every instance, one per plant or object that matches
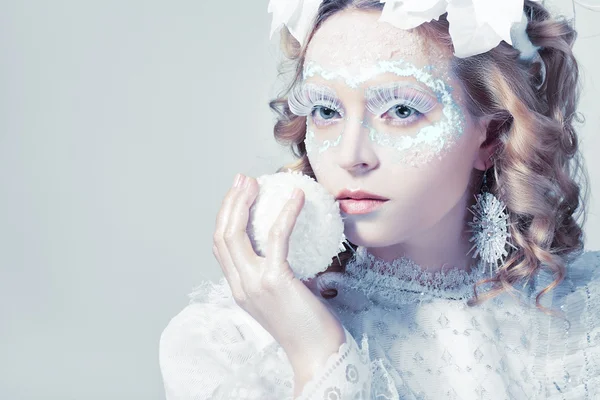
(489, 227)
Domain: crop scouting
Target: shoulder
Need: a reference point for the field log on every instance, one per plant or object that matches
(568, 349)
(585, 268)
(579, 295)
(583, 282)
(582, 277)
(581, 285)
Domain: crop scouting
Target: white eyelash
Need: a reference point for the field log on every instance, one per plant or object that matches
(304, 98)
(381, 99)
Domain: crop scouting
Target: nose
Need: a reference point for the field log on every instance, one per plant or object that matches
(356, 153)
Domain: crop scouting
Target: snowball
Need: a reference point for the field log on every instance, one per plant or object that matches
(318, 234)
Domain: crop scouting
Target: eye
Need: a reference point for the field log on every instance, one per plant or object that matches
(398, 105)
(401, 111)
(325, 113)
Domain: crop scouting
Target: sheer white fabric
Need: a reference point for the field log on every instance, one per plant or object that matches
(404, 339)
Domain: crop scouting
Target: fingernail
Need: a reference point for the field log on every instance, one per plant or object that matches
(236, 181)
(245, 182)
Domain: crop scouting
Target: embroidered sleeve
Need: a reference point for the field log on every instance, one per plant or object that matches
(212, 349)
(207, 351)
(345, 376)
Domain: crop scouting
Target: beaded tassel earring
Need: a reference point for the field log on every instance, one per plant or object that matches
(489, 227)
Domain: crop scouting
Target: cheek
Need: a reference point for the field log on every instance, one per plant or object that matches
(316, 146)
(453, 171)
(320, 166)
(435, 188)
(452, 179)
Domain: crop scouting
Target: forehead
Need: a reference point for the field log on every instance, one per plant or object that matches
(355, 40)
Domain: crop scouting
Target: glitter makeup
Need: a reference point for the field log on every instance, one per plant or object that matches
(380, 99)
(408, 124)
(305, 98)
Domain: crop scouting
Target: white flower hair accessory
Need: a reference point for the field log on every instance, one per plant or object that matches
(476, 26)
(297, 15)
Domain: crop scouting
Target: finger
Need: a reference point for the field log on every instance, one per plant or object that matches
(215, 252)
(279, 235)
(226, 204)
(236, 237)
(222, 254)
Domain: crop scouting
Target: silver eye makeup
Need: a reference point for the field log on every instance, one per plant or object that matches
(399, 103)
(415, 115)
(324, 115)
(305, 98)
(396, 104)
(319, 102)
(401, 112)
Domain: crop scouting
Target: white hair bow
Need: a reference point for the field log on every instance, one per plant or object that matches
(476, 26)
(297, 15)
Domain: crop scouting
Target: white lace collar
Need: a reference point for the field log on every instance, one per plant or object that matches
(403, 281)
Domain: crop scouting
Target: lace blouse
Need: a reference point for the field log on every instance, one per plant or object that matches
(409, 335)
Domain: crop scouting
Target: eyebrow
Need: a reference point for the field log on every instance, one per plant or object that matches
(369, 91)
(375, 90)
(322, 88)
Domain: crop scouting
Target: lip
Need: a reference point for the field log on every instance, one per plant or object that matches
(364, 206)
(358, 195)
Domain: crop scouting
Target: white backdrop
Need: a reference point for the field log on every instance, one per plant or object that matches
(122, 125)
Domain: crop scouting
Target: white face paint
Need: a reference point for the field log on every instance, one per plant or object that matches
(385, 115)
(403, 115)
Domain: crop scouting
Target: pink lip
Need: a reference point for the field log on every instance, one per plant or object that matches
(353, 206)
(358, 195)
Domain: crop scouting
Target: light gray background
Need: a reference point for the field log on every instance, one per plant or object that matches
(122, 125)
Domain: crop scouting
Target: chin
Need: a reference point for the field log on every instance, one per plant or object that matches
(370, 236)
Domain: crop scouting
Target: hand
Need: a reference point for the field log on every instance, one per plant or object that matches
(266, 288)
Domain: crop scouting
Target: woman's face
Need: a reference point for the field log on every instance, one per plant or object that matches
(385, 116)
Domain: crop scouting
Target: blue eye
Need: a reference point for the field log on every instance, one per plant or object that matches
(399, 105)
(402, 111)
(324, 113)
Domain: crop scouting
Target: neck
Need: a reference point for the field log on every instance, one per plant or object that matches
(440, 247)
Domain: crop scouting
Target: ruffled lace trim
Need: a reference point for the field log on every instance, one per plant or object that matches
(403, 281)
(210, 292)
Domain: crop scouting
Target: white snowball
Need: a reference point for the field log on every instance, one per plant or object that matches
(318, 235)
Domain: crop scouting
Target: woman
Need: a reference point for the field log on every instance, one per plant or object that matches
(456, 166)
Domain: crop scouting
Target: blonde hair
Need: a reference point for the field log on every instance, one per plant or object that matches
(538, 170)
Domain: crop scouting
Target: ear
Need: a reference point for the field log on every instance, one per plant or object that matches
(488, 143)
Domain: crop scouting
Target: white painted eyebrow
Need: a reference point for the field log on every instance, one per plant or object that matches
(322, 87)
(383, 86)
(399, 84)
